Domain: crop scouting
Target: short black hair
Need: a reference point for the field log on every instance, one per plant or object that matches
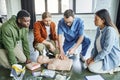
(23, 13)
(69, 13)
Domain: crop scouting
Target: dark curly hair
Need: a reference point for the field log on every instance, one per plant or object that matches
(22, 13)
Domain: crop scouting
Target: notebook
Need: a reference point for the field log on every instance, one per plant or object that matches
(94, 77)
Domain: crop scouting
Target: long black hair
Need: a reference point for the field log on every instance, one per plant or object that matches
(104, 15)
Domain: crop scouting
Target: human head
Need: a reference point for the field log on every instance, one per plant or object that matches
(102, 17)
(46, 18)
(23, 19)
(69, 17)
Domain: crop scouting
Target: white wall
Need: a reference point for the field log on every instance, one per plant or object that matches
(113, 9)
(13, 6)
(110, 5)
(2, 8)
(87, 18)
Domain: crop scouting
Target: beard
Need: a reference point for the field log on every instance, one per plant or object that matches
(21, 25)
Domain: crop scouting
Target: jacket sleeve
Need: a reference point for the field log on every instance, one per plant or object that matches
(37, 33)
(8, 43)
(94, 50)
(25, 43)
(60, 25)
(53, 34)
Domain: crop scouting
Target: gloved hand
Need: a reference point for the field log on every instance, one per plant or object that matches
(18, 68)
(17, 72)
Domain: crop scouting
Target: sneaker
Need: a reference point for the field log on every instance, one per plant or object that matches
(82, 58)
(84, 65)
(50, 55)
(117, 69)
(111, 72)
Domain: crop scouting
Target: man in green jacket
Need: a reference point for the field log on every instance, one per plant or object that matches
(12, 32)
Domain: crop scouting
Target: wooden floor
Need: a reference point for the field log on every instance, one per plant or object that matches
(4, 75)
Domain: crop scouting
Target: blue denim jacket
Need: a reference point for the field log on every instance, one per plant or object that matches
(110, 54)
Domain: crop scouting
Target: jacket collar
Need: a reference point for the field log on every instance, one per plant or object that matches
(104, 29)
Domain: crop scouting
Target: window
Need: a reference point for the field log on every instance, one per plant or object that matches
(84, 6)
(59, 6)
(52, 6)
(3, 10)
(65, 4)
(39, 6)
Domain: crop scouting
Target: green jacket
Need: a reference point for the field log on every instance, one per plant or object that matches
(10, 34)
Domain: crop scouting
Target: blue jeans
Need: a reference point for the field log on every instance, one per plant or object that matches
(85, 45)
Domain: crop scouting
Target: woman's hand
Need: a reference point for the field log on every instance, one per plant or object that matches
(89, 60)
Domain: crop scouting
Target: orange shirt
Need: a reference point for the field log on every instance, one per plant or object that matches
(40, 33)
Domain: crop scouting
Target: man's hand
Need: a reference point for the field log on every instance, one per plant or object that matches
(28, 61)
(62, 55)
(71, 51)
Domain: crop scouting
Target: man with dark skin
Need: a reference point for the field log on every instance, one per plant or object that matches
(11, 33)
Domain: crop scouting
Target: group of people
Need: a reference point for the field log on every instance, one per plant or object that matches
(105, 55)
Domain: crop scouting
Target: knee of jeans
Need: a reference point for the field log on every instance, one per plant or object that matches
(39, 46)
(88, 41)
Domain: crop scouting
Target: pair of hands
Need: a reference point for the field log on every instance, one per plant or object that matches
(70, 52)
(88, 61)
